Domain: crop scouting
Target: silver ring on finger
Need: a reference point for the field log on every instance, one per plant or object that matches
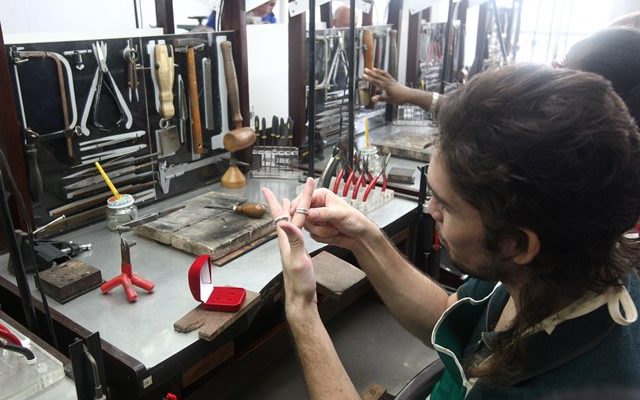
(280, 218)
(302, 210)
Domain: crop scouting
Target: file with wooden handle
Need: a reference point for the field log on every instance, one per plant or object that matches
(163, 55)
(192, 85)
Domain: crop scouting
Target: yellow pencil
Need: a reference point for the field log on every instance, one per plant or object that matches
(106, 179)
(366, 132)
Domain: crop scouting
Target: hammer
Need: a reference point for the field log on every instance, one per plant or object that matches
(189, 46)
(239, 138)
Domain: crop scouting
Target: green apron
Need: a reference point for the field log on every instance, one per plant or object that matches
(450, 337)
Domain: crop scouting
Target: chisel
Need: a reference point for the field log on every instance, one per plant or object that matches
(251, 210)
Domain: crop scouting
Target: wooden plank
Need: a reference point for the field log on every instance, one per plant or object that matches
(207, 364)
(220, 234)
(218, 262)
(411, 144)
(373, 392)
(334, 276)
(199, 230)
(211, 323)
(163, 229)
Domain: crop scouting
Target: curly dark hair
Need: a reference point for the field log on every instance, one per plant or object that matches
(556, 152)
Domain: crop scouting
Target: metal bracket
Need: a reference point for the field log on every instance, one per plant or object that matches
(87, 362)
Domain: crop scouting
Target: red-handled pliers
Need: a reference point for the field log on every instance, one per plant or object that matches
(8, 336)
(363, 173)
(345, 190)
(336, 183)
(383, 174)
(352, 174)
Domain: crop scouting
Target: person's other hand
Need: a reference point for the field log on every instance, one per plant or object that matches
(298, 272)
(393, 92)
(332, 221)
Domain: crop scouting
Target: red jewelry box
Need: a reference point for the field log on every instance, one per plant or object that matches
(215, 298)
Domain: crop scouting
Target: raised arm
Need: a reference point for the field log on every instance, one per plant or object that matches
(394, 92)
(324, 374)
(414, 299)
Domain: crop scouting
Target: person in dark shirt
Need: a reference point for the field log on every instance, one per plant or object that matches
(535, 182)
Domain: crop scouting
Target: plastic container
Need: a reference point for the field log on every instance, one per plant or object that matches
(22, 379)
(120, 211)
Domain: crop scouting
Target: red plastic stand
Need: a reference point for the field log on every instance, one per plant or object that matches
(127, 279)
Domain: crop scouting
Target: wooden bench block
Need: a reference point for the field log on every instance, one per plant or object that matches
(334, 276)
(69, 280)
(200, 230)
(211, 323)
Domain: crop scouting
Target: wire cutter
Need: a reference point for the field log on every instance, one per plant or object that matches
(383, 174)
(364, 163)
(339, 176)
(352, 174)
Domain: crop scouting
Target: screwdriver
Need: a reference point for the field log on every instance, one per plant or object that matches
(256, 127)
(251, 210)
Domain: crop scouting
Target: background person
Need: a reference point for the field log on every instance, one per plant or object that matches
(263, 14)
(612, 53)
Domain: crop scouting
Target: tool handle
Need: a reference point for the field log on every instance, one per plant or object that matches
(263, 131)
(164, 73)
(368, 51)
(393, 53)
(63, 101)
(251, 210)
(196, 124)
(232, 83)
(35, 178)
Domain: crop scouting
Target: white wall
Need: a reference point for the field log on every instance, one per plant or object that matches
(30, 16)
(268, 64)
(82, 18)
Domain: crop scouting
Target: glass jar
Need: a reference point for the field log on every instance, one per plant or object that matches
(371, 157)
(120, 211)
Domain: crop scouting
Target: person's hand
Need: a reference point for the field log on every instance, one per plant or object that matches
(298, 272)
(332, 221)
(393, 92)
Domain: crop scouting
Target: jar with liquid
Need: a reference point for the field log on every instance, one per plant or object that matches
(371, 157)
(120, 211)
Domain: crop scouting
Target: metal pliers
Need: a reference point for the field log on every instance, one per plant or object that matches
(383, 174)
(100, 53)
(9, 337)
(10, 342)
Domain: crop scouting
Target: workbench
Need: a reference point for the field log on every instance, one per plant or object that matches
(143, 354)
